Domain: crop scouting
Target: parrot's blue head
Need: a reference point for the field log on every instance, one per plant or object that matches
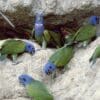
(94, 20)
(25, 79)
(29, 48)
(39, 24)
(49, 68)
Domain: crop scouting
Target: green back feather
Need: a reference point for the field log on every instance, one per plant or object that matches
(86, 32)
(47, 36)
(62, 56)
(13, 47)
(38, 91)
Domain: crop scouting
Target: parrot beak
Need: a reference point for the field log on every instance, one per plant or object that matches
(48, 73)
(32, 52)
(21, 81)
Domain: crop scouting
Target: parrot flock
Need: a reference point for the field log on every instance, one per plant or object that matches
(65, 45)
(63, 55)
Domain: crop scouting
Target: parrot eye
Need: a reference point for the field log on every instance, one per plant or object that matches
(50, 67)
(24, 79)
(29, 46)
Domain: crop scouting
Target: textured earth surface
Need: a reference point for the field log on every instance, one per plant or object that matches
(48, 6)
(80, 82)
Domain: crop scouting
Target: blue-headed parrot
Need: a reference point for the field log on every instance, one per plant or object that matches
(38, 29)
(13, 48)
(85, 33)
(44, 36)
(59, 59)
(35, 89)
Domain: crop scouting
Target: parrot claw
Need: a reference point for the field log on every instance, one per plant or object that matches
(54, 75)
(65, 68)
(83, 44)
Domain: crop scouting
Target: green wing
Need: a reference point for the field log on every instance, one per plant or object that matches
(47, 36)
(85, 33)
(56, 37)
(38, 91)
(62, 56)
(13, 47)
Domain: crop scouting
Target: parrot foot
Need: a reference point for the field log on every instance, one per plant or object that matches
(83, 44)
(65, 68)
(44, 44)
(53, 76)
(80, 45)
(14, 57)
(32, 31)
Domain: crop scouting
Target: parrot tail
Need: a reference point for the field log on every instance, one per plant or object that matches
(90, 59)
(93, 61)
